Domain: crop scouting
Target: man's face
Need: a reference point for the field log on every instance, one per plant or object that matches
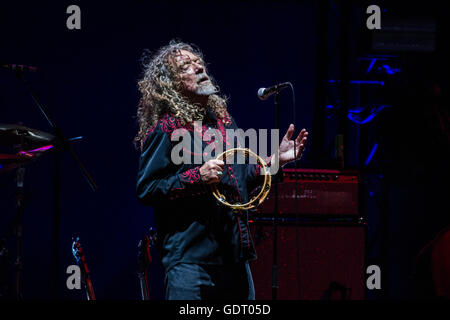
(192, 73)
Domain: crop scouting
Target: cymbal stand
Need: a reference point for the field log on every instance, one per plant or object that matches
(18, 231)
(61, 144)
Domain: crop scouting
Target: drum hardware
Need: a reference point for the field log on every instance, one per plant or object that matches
(27, 139)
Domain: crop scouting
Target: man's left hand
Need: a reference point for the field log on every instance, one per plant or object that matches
(286, 151)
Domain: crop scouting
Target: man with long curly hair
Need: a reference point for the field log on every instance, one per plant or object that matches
(204, 247)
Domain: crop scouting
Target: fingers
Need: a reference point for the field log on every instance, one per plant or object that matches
(300, 141)
(216, 165)
(217, 162)
(289, 132)
(217, 169)
(211, 171)
(302, 137)
(302, 146)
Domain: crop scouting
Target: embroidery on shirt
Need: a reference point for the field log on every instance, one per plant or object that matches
(191, 175)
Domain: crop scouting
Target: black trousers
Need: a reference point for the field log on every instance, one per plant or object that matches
(188, 281)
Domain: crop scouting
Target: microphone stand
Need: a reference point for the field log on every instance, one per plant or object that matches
(275, 215)
(61, 144)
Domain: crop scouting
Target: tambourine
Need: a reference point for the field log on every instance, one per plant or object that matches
(254, 201)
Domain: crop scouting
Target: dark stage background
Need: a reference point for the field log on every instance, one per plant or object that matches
(88, 81)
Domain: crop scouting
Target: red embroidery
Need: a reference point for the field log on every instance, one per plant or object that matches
(258, 166)
(227, 119)
(208, 136)
(223, 132)
(152, 128)
(240, 231)
(169, 124)
(230, 168)
(191, 175)
(258, 169)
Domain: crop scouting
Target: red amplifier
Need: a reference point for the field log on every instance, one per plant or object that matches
(316, 192)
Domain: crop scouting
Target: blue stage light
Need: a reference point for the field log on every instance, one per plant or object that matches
(372, 152)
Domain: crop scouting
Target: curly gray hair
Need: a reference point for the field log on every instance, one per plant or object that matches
(160, 91)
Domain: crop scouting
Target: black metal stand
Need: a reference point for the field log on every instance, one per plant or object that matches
(18, 230)
(61, 144)
(56, 221)
(275, 214)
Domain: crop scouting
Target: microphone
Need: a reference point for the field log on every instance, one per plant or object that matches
(18, 67)
(264, 93)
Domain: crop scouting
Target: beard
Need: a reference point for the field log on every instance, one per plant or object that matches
(206, 89)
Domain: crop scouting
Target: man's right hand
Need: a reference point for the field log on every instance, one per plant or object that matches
(211, 171)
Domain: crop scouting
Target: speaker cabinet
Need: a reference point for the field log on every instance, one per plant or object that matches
(319, 193)
(321, 261)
